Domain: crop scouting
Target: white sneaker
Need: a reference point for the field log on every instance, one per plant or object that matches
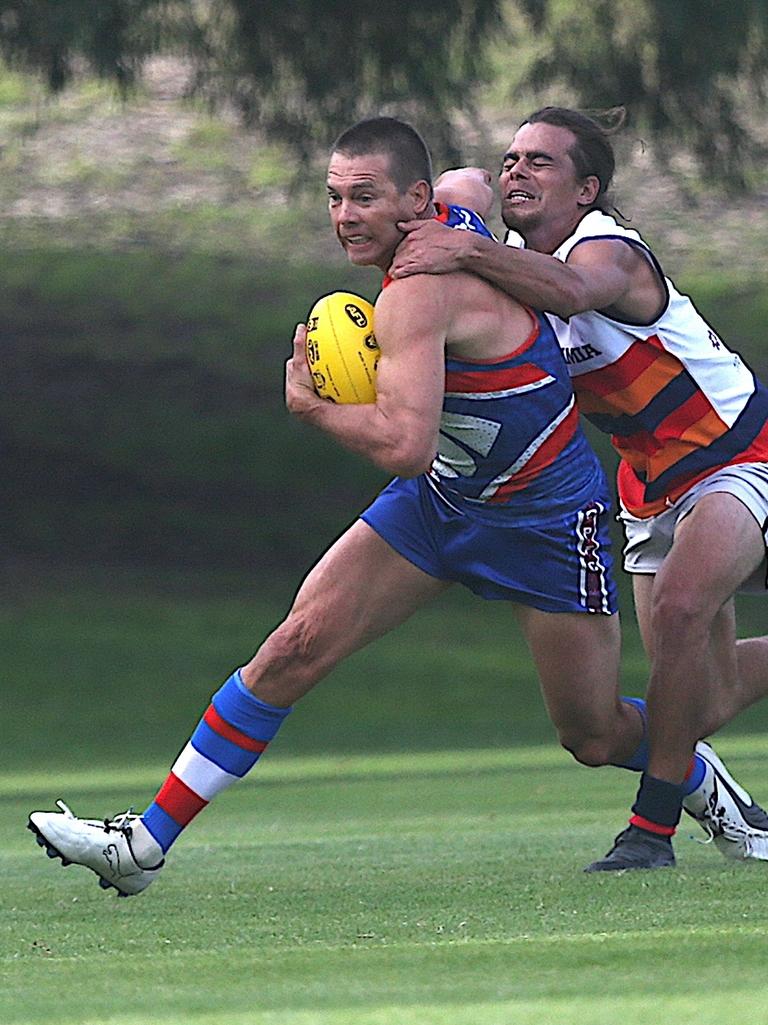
(726, 812)
(102, 846)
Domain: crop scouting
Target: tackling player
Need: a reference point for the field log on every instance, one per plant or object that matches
(688, 420)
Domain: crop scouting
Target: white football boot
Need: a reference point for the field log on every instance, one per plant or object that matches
(726, 812)
(103, 846)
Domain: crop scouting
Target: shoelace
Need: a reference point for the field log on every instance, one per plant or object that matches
(744, 837)
(118, 823)
(709, 838)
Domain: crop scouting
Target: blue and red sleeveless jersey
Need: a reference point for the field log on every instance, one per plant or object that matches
(510, 434)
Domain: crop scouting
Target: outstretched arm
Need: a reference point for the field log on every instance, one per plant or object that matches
(599, 274)
(399, 431)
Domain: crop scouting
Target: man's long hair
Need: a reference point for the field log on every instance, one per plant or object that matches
(592, 152)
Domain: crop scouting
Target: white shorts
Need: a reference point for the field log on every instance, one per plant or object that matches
(649, 540)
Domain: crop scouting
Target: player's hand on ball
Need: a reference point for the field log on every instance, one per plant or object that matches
(300, 394)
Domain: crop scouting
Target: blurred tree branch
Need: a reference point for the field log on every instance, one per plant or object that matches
(692, 73)
(300, 70)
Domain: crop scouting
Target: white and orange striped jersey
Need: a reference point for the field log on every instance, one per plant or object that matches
(676, 401)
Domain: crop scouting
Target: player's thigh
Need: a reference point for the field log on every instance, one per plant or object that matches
(577, 660)
(642, 594)
(359, 590)
(720, 636)
(716, 547)
(722, 631)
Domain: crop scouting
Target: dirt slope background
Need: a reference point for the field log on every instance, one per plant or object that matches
(88, 170)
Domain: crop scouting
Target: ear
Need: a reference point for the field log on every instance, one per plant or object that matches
(589, 191)
(421, 196)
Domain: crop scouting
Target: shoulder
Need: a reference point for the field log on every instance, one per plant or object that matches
(603, 250)
(439, 302)
(421, 303)
(599, 229)
(420, 290)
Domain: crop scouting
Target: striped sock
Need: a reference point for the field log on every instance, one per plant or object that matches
(694, 777)
(226, 744)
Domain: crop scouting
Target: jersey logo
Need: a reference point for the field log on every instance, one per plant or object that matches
(475, 433)
(525, 457)
(579, 353)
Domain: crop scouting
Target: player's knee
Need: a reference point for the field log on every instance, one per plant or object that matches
(588, 748)
(677, 609)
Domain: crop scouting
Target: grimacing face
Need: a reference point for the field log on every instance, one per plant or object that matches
(365, 205)
(538, 182)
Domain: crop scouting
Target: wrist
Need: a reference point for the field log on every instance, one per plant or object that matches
(305, 404)
(474, 250)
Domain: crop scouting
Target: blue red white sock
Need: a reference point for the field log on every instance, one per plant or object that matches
(639, 760)
(227, 743)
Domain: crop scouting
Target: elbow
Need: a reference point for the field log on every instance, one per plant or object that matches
(406, 446)
(578, 293)
(412, 468)
(571, 300)
(408, 460)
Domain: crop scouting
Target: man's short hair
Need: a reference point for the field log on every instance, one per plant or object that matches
(409, 159)
(592, 152)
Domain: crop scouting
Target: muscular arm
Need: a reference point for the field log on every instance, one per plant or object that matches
(399, 431)
(599, 275)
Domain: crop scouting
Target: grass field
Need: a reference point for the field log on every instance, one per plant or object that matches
(410, 851)
(434, 888)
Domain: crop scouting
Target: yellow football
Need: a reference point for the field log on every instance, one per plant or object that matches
(342, 352)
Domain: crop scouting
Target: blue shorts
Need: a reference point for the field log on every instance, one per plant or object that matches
(558, 564)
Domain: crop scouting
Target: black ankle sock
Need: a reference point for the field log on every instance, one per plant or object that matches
(658, 805)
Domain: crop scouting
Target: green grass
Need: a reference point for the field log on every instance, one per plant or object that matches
(140, 652)
(442, 887)
(144, 418)
(141, 657)
(409, 851)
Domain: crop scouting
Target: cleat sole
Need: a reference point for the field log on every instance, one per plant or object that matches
(50, 850)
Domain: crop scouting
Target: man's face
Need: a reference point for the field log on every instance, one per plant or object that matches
(365, 206)
(538, 182)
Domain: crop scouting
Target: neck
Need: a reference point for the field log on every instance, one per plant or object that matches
(429, 212)
(547, 238)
